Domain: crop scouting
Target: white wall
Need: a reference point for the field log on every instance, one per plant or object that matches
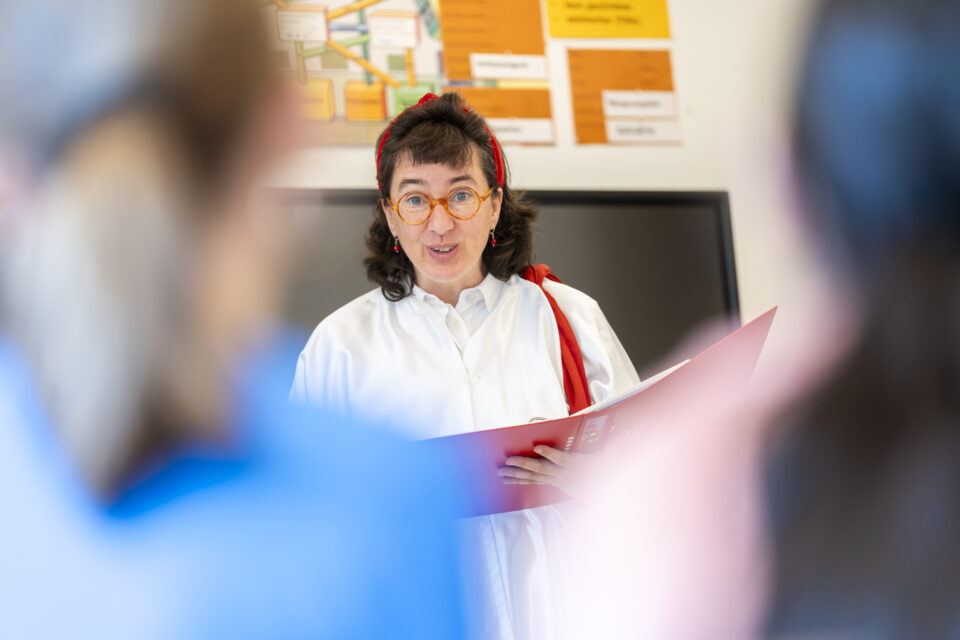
(733, 70)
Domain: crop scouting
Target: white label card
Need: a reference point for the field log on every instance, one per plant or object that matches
(631, 131)
(503, 65)
(302, 25)
(639, 104)
(394, 31)
(536, 130)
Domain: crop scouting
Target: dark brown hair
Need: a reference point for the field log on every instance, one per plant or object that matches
(445, 131)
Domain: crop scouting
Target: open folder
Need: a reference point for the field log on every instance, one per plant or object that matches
(722, 368)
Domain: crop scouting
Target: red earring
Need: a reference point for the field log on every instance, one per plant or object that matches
(396, 244)
(493, 239)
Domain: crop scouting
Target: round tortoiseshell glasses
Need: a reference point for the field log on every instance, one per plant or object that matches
(416, 208)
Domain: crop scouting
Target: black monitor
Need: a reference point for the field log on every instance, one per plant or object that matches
(659, 263)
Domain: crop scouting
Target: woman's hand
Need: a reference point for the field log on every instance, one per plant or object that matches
(558, 468)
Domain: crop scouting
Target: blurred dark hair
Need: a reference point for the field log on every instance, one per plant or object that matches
(864, 480)
(445, 131)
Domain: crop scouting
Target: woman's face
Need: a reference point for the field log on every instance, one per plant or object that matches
(445, 251)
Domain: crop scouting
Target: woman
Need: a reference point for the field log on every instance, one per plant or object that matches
(455, 340)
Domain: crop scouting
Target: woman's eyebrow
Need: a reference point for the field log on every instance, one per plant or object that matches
(407, 181)
(461, 178)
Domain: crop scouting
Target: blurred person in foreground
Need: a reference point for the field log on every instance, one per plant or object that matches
(154, 481)
(863, 480)
(838, 478)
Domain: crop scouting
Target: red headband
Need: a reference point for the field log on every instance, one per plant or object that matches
(494, 145)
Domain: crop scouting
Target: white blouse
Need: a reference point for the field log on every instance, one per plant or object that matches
(428, 369)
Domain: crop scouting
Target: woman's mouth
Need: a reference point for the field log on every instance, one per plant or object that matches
(443, 252)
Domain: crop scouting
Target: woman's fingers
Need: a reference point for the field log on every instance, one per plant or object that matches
(549, 469)
(537, 465)
(518, 475)
(526, 482)
(555, 456)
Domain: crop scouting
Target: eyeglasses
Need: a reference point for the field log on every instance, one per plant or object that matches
(462, 203)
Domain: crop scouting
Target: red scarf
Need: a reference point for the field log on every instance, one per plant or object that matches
(574, 377)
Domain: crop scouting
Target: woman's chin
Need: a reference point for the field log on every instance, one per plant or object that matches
(442, 276)
(444, 269)
(447, 276)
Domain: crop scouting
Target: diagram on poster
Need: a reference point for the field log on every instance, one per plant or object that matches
(361, 63)
(623, 96)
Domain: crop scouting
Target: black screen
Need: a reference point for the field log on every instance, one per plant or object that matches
(659, 264)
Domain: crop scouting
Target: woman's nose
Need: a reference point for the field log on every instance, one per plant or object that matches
(440, 221)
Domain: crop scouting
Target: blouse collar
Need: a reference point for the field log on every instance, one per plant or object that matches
(490, 288)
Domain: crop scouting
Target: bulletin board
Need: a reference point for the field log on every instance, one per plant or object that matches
(359, 64)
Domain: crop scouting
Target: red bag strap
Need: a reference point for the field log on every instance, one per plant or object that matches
(574, 376)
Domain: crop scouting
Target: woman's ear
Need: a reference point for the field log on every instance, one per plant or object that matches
(496, 200)
(388, 216)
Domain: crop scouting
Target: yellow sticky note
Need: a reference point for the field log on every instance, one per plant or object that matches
(366, 102)
(608, 18)
(318, 96)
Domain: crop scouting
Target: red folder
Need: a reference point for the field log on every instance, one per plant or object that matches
(724, 366)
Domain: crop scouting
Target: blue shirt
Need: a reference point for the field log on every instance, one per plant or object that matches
(303, 526)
